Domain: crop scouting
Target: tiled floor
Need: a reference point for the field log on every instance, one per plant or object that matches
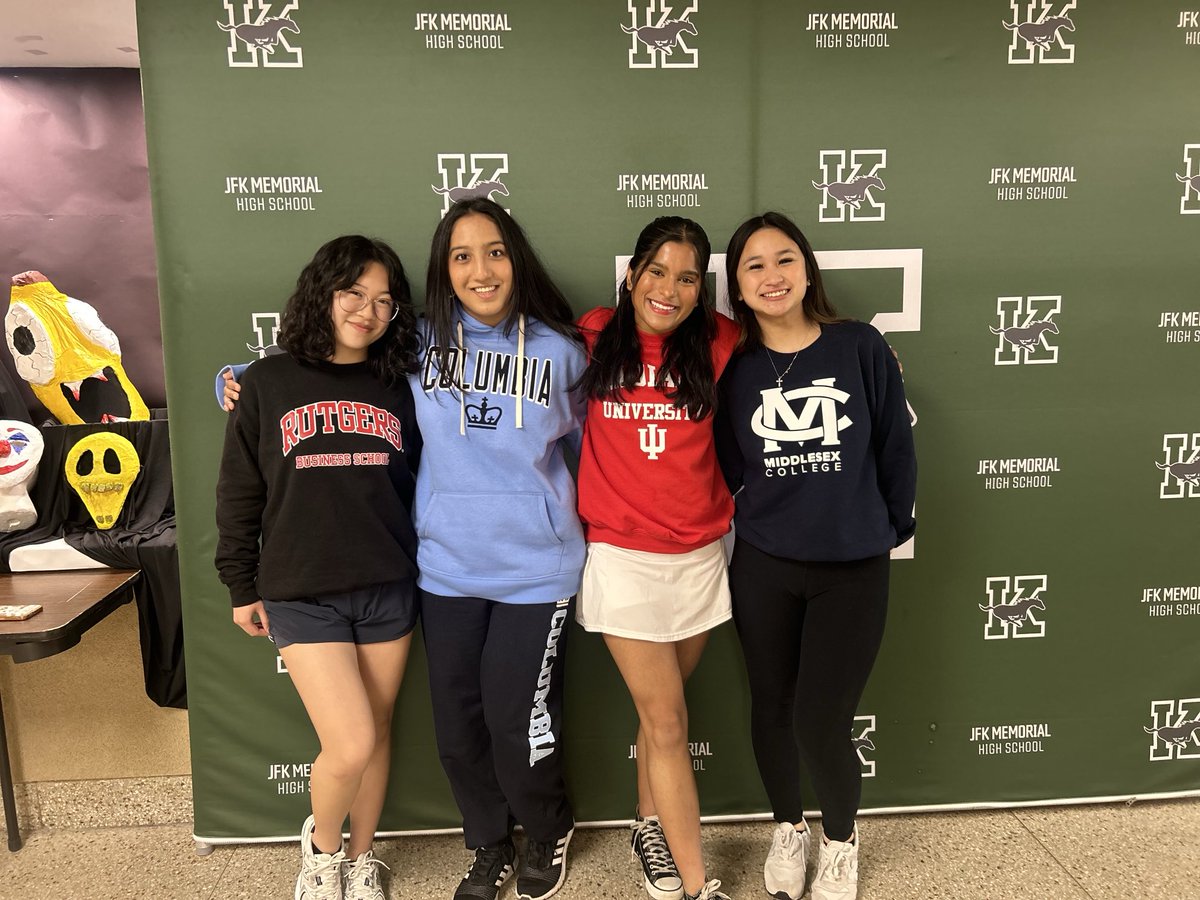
(1146, 851)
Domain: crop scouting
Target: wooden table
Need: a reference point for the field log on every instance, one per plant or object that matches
(72, 602)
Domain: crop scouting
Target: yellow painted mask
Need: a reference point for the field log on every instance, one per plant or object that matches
(101, 468)
(70, 358)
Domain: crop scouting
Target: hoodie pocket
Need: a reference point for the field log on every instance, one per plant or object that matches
(502, 537)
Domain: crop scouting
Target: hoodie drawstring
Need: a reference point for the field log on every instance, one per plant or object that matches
(520, 366)
(462, 381)
(462, 377)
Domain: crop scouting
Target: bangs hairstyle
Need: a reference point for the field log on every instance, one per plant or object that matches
(306, 331)
(616, 363)
(815, 304)
(534, 294)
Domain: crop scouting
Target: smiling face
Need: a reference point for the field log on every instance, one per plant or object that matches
(480, 269)
(772, 277)
(667, 289)
(354, 332)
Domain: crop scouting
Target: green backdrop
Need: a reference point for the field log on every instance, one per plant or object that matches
(1010, 190)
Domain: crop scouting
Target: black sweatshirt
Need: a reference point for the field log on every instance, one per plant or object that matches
(827, 468)
(318, 468)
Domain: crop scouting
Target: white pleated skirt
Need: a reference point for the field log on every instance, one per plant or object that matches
(653, 596)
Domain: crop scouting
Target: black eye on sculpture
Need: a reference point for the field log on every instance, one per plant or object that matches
(85, 463)
(29, 343)
(112, 462)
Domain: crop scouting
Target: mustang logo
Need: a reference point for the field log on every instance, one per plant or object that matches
(664, 37)
(1028, 337)
(483, 190)
(265, 34)
(1042, 33)
(853, 192)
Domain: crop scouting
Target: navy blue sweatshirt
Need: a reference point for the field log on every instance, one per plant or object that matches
(826, 466)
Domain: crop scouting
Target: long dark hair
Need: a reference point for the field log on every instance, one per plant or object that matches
(616, 363)
(306, 330)
(534, 293)
(816, 304)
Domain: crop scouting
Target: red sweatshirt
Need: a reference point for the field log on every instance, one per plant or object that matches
(648, 474)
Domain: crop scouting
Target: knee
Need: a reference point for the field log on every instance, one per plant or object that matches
(666, 728)
(349, 756)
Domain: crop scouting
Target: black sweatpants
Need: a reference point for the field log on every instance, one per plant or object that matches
(496, 680)
(810, 632)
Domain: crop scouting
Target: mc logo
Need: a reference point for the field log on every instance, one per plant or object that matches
(1189, 203)
(860, 737)
(1027, 329)
(1013, 606)
(266, 329)
(1180, 467)
(775, 421)
(1175, 729)
(265, 35)
(848, 178)
(659, 33)
(1039, 30)
(468, 176)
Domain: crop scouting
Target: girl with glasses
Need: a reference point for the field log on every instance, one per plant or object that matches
(329, 425)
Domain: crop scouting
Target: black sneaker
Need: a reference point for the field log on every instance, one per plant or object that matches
(544, 868)
(491, 868)
(649, 847)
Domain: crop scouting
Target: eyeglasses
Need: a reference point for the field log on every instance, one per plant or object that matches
(352, 301)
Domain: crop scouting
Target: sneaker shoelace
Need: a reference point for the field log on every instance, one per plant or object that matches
(710, 892)
(655, 852)
(837, 865)
(362, 877)
(486, 867)
(322, 879)
(788, 841)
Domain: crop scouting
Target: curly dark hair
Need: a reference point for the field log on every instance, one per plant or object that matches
(616, 363)
(306, 331)
(534, 293)
(816, 304)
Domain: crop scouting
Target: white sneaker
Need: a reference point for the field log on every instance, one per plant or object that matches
(708, 892)
(362, 879)
(784, 870)
(320, 875)
(837, 870)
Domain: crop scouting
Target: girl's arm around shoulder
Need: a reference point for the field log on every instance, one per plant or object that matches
(411, 431)
(891, 434)
(241, 498)
(729, 454)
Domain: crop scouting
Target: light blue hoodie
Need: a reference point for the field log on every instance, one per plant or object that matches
(495, 502)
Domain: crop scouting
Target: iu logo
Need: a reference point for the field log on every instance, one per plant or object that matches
(860, 737)
(266, 329)
(850, 180)
(1027, 330)
(467, 176)
(1189, 203)
(1040, 32)
(1013, 607)
(653, 440)
(818, 418)
(1175, 729)
(1180, 467)
(659, 32)
(265, 34)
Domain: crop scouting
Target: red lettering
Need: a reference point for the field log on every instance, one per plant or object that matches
(327, 410)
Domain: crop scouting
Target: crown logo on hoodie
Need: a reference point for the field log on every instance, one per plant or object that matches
(483, 416)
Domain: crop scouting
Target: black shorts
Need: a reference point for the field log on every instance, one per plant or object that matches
(370, 615)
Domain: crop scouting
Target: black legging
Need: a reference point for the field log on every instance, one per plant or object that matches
(817, 625)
